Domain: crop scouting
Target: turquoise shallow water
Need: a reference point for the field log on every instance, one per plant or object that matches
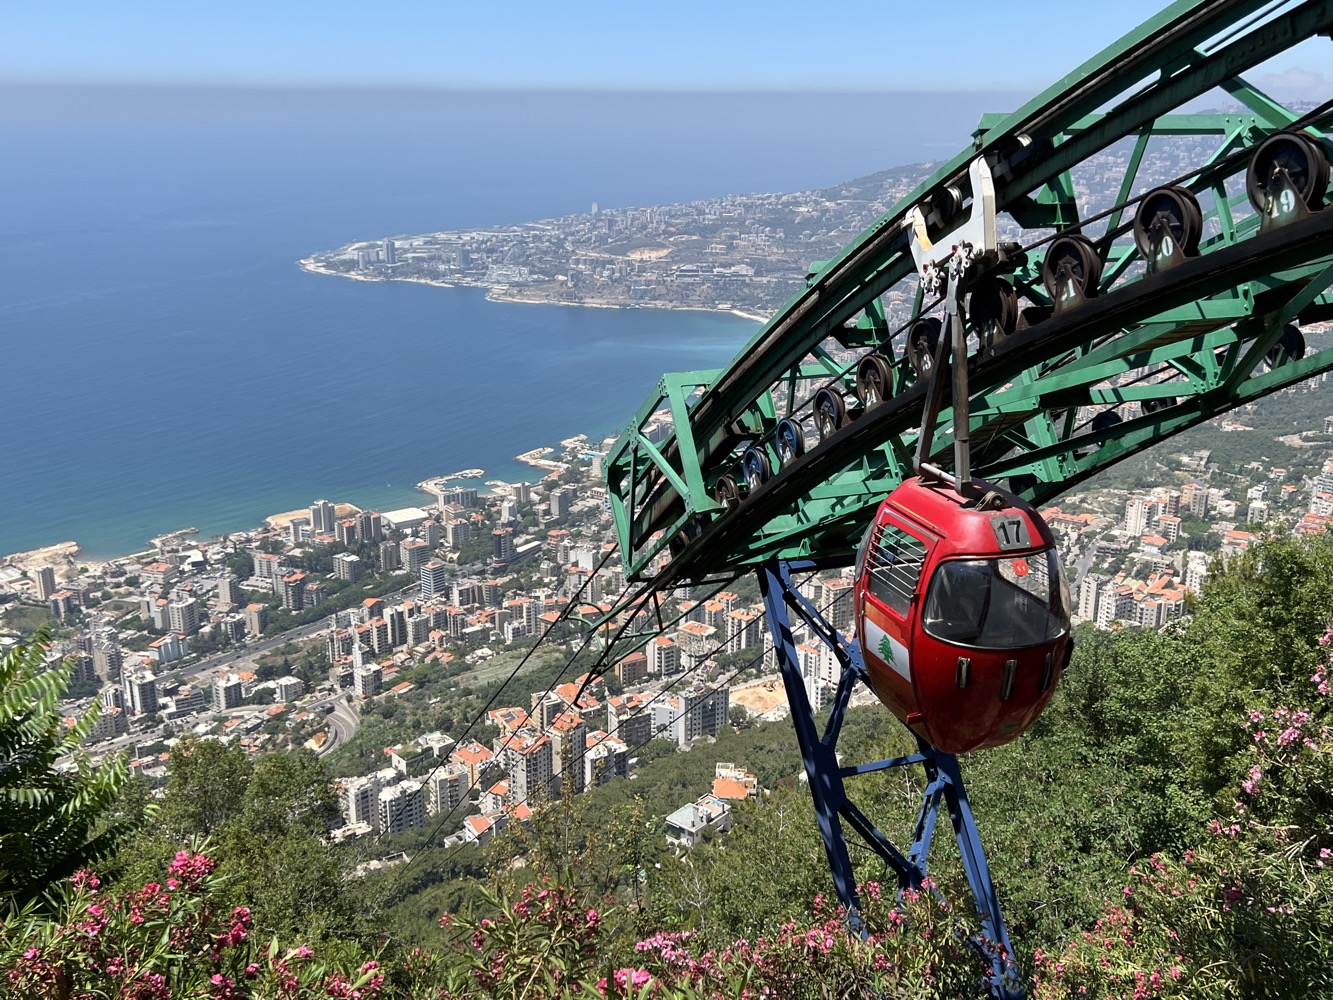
(165, 363)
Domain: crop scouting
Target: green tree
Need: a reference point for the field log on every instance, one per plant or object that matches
(288, 792)
(53, 820)
(206, 784)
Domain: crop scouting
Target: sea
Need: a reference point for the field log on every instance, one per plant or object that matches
(166, 364)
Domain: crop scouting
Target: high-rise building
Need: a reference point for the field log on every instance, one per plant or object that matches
(389, 558)
(414, 552)
(606, 758)
(1140, 512)
(298, 530)
(268, 566)
(395, 619)
(449, 786)
(434, 579)
(362, 798)
(367, 680)
(229, 593)
(663, 657)
(140, 692)
(502, 545)
(456, 532)
(184, 616)
(1089, 595)
(431, 532)
(390, 252)
(402, 807)
(527, 757)
(838, 603)
(369, 526)
(628, 719)
(107, 657)
(347, 566)
(227, 692)
(45, 578)
(569, 737)
(293, 591)
(322, 516)
(1196, 570)
(344, 531)
(256, 619)
(706, 709)
(461, 496)
(558, 502)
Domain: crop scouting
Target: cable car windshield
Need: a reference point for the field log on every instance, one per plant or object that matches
(1005, 603)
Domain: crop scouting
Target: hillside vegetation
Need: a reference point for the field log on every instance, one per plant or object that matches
(1163, 831)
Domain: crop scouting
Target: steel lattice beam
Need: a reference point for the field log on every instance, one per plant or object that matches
(1198, 333)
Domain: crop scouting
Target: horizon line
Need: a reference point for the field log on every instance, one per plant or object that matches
(487, 88)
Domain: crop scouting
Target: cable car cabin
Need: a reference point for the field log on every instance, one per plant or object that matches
(962, 615)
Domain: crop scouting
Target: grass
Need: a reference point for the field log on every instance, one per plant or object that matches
(26, 618)
(498, 667)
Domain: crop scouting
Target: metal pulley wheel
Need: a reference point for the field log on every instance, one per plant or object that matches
(1173, 216)
(946, 203)
(1150, 406)
(1105, 420)
(1291, 343)
(789, 440)
(993, 310)
(923, 337)
(756, 468)
(726, 492)
(874, 380)
(830, 413)
(1076, 258)
(1299, 157)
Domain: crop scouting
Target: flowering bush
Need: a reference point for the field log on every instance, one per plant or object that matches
(546, 943)
(163, 940)
(1246, 915)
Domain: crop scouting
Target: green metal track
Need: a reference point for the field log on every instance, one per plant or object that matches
(1195, 337)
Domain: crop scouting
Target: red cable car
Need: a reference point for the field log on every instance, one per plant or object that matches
(962, 613)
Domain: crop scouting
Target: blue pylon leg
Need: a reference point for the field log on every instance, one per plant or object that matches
(821, 763)
(826, 777)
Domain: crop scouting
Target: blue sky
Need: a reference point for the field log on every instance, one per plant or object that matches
(687, 44)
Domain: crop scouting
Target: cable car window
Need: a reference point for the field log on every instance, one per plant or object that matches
(895, 567)
(1005, 603)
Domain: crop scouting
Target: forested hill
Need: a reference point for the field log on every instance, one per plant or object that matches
(1163, 831)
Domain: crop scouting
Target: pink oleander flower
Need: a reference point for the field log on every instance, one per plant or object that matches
(190, 868)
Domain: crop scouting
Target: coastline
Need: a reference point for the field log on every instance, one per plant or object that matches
(65, 555)
(505, 293)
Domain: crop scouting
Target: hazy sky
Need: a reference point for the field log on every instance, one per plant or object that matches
(691, 44)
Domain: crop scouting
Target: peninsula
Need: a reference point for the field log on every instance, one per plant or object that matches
(742, 253)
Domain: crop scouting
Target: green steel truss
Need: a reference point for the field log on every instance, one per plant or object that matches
(1192, 341)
